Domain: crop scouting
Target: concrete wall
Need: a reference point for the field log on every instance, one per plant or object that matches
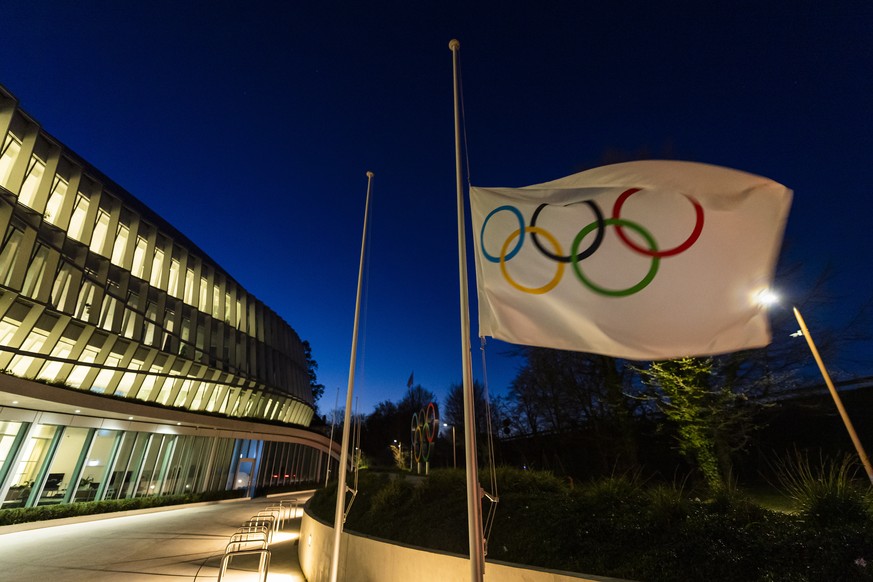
(366, 559)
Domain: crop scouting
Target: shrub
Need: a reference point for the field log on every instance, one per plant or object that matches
(46, 512)
(825, 491)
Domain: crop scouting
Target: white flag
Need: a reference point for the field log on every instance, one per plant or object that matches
(643, 260)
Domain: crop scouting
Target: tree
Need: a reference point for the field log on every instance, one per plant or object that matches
(564, 392)
(311, 369)
(711, 420)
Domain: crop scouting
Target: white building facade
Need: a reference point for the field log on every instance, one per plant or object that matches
(130, 363)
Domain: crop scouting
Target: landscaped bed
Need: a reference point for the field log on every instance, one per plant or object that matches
(626, 528)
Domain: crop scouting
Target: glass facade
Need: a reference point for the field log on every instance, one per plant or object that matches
(98, 294)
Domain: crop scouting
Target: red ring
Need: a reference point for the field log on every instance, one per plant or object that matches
(695, 234)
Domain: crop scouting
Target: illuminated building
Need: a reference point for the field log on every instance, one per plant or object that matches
(132, 363)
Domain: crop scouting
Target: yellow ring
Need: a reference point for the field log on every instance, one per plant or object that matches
(558, 274)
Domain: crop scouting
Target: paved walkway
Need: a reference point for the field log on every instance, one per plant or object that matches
(183, 544)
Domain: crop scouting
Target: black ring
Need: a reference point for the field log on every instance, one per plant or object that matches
(601, 228)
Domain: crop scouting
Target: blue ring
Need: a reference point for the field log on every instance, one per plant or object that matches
(518, 245)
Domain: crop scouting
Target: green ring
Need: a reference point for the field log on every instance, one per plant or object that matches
(653, 270)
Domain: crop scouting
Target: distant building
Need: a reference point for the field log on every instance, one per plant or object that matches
(132, 364)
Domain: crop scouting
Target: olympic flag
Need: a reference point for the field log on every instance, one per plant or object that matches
(643, 260)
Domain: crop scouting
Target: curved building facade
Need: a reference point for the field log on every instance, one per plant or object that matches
(107, 308)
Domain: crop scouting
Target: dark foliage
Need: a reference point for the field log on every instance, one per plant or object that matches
(615, 527)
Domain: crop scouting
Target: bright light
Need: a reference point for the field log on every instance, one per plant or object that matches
(766, 298)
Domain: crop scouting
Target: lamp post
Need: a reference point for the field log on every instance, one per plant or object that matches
(399, 451)
(859, 448)
(769, 298)
(454, 450)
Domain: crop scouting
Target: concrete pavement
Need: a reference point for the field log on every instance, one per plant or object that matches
(179, 544)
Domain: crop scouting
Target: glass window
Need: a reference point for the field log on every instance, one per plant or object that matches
(35, 170)
(35, 271)
(216, 302)
(104, 377)
(157, 268)
(166, 387)
(8, 155)
(126, 464)
(173, 283)
(33, 455)
(8, 432)
(96, 465)
(148, 385)
(9, 253)
(8, 328)
(52, 369)
(128, 325)
(101, 229)
(203, 294)
(86, 298)
(56, 200)
(128, 378)
(32, 343)
(120, 244)
(62, 286)
(107, 314)
(139, 257)
(151, 317)
(189, 287)
(77, 376)
(77, 221)
(183, 393)
(61, 474)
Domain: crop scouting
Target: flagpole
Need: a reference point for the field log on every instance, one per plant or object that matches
(332, 425)
(474, 491)
(344, 454)
(843, 414)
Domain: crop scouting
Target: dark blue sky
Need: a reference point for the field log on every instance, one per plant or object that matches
(250, 126)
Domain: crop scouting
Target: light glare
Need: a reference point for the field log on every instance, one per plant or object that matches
(766, 298)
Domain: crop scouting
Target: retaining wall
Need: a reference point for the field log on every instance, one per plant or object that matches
(367, 559)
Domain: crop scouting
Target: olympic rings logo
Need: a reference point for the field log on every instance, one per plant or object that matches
(577, 255)
(425, 427)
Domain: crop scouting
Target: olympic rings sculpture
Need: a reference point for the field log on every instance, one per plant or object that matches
(577, 255)
(425, 428)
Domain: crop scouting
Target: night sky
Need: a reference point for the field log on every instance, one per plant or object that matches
(250, 126)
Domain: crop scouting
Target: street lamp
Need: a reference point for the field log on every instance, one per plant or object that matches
(454, 450)
(399, 451)
(769, 298)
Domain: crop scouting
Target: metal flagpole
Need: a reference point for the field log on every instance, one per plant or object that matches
(344, 454)
(843, 414)
(332, 424)
(474, 490)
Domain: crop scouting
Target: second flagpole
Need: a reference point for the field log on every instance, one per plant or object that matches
(476, 537)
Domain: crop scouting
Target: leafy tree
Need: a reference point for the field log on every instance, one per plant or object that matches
(711, 420)
(311, 369)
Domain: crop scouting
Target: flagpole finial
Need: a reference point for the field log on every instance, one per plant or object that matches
(369, 174)
(454, 44)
